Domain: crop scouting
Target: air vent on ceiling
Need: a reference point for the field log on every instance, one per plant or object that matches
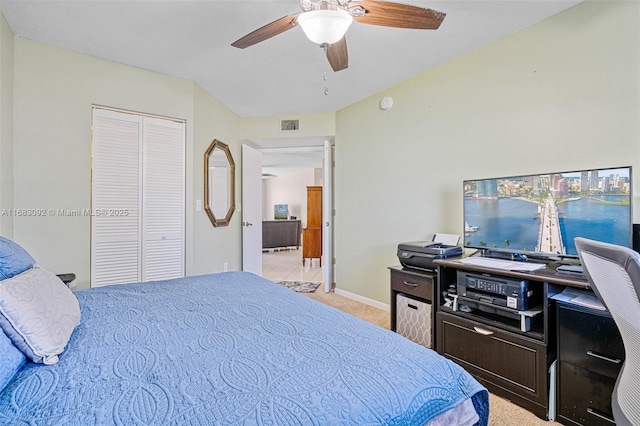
(287, 125)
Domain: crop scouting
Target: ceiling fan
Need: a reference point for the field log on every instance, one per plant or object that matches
(325, 23)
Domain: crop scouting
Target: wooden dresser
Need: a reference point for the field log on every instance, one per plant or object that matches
(312, 234)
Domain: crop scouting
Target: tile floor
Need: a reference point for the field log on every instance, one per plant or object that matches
(286, 265)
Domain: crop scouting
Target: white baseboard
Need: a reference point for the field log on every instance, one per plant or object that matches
(362, 299)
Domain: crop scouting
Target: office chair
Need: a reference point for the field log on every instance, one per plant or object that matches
(614, 274)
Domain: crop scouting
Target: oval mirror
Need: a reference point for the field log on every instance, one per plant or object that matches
(219, 183)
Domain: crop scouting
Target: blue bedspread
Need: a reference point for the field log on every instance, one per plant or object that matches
(232, 348)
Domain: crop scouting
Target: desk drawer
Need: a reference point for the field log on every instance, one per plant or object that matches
(414, 284)
(505, 359)
(589, 340)
(584, 397)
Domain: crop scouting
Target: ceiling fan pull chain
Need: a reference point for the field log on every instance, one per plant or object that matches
(324, 71)
(326, 89)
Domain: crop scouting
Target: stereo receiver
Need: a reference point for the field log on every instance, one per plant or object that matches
(505, 292)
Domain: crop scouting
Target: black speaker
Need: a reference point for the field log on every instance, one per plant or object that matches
(636, 237)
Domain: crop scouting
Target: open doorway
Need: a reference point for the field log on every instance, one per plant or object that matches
(287, 175)
(300, 161)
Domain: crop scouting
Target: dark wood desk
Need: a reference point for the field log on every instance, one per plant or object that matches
(548, 274)
(511, 360)
(580, 345)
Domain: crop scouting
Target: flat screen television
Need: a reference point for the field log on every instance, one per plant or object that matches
(542, 214)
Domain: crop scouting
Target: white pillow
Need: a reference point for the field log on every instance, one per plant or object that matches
(38, 313)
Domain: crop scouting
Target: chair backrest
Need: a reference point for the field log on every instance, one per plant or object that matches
(614, 274)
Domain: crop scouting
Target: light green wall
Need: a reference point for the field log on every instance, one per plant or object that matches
(212, 247)
(561, 95)
(50, 150)
(54, 91)
(6, 128)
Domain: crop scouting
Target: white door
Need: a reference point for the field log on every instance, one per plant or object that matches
(251, 210)
(115, 164)
(163, 199)
(137, 189)
(327, 216)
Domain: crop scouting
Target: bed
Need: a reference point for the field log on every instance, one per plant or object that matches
(233, 348)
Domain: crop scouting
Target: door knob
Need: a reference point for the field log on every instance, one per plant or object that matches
(247, 224)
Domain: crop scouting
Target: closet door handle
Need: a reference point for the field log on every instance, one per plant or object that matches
(482, 331)
(606, 358)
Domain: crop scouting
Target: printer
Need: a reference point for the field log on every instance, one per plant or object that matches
(421, 254)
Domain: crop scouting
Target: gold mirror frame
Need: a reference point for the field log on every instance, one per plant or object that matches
(223, 181)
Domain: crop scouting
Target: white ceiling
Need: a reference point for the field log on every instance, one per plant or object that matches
(282, 75)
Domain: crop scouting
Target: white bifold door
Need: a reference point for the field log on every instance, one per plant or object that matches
(137, 197)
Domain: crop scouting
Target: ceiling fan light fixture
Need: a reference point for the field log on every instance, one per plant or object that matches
(325, 26)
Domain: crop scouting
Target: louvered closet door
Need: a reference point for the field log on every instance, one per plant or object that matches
(137, 227)
(163, 194)
(115, 181)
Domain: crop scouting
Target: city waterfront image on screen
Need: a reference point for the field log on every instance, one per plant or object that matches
(542, 214)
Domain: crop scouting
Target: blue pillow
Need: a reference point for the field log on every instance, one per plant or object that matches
(14, 259)
(11, 360)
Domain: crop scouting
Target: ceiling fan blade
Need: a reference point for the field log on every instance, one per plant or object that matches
(337, 54)
(270, 30)
(398, 15)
